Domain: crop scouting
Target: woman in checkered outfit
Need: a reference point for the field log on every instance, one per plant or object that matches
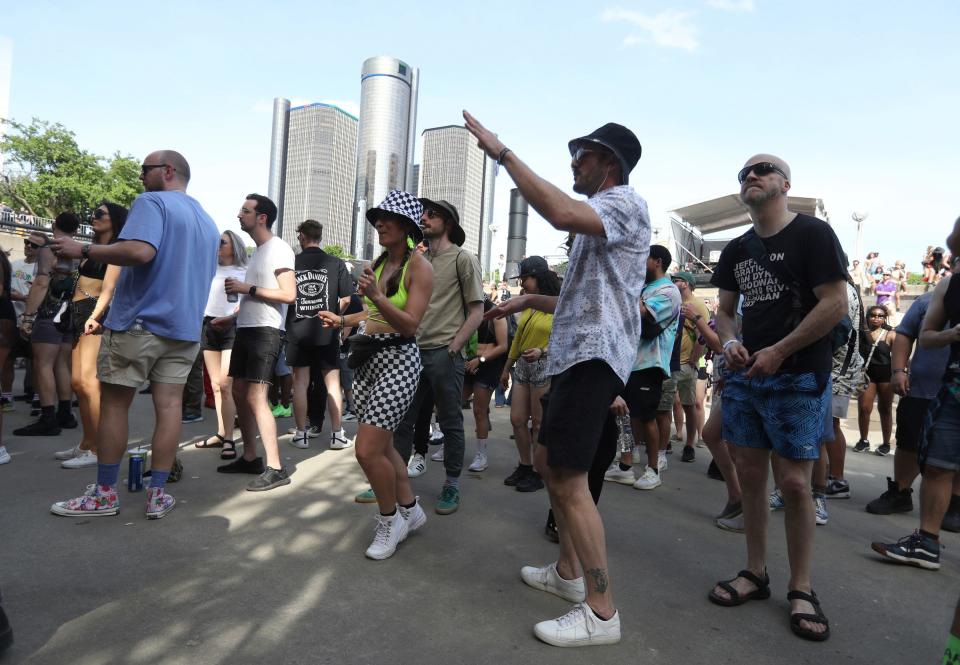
(396, 292)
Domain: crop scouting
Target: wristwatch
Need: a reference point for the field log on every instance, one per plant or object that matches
(253, 292)
(905, 370)
(482, 359)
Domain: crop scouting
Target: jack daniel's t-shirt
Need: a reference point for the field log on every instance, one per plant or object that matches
(809, 249)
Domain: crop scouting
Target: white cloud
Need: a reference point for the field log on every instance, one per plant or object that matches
(732, 5)
(669, 28)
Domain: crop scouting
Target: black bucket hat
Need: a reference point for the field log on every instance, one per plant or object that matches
(457, 235)
(617, 139)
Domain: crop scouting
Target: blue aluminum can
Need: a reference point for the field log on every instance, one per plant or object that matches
(135, 472)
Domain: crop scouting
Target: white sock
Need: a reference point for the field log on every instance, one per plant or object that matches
(300, 433)
(482, 446)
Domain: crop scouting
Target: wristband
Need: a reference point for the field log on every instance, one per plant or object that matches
(729, 342)
(503, 153)
(902, 369)
(341, 323)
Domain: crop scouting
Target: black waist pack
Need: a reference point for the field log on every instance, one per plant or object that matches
(364, 347)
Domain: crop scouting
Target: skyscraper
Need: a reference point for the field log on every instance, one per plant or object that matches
(384, 159)
(455, 169)
(278, 157)
(319, 173)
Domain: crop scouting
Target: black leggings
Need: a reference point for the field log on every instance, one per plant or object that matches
(421, 433)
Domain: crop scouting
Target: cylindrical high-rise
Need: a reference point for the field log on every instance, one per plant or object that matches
(517, 238)
(486, 214)
(278, 155)
(384, 144)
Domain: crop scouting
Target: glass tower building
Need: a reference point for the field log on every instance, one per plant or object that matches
(455, 169)
(384, 157)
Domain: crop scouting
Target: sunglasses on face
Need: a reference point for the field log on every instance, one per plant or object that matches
(433, 214)
(760, 169)
(878, 315)
(145, 168)
(27, 243)
(100, 214)
(222, 242)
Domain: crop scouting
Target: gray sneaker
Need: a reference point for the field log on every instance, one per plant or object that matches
(268, 480)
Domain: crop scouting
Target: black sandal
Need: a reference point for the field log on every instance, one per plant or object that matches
(229, 449)
(762, 592)
(819, 617)
(206, 443)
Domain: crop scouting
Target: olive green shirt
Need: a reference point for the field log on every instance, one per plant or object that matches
(451, 295)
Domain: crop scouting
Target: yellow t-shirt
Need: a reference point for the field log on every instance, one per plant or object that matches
(690, 333)
(533, 331)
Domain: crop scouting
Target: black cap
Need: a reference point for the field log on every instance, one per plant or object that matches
(617, 139)
(533, 265)
(457, 235)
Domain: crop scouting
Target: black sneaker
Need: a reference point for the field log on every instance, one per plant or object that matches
(838, 489)
(268, 480)
(894, 500)
(550, 530)
(66, 420)
(530, 483)
(713, 471)
(689, 454)
(240, 465)
(39, 428)
(951, 521)
(913, 550)
(861, 445)
(516, 476)
(882, 449)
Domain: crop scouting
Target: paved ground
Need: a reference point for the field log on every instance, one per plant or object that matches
(237, 577)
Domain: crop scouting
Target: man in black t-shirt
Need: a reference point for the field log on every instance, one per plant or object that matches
(790, 270)
(323, 284)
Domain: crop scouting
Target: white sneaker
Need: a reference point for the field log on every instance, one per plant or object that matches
(417, 466)
(415, 516)
(70, 453)
(300, 439)
(662, 461)
(776, 499)
(617, 475)
(549, 580)
(435, 433)
(438, 456)
(390, 532)
(648, 481)
(4, 455)
(701, 443)
(579, 627)
(339, 441)
(84, 459)
(820, 508)
(732, 524)
(479, 463)
(312, 432)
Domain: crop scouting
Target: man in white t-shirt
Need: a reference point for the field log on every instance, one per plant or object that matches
(269, 285)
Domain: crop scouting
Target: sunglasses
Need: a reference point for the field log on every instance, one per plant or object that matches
(581, 152)
(100, 214)
(222, 242)
(146, 167)
(434, 214)
(878, 315)
(760, 169)
(27, 243)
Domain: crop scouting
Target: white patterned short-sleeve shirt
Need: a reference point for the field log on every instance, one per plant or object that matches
(598, 312)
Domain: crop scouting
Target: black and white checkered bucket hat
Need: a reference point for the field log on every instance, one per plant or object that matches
(401, 203)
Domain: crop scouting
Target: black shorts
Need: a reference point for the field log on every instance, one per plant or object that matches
(6, 309)
(578, 414)
(255, 352)
(642, 393)
(488, 375)
(911, 413)
(217, 339)
(879, 373)
(80, 311)
(324, 357)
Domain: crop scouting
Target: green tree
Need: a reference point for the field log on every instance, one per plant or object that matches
(338, 251)
(47, 172)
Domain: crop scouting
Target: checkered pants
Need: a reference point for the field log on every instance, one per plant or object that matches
(384, 386)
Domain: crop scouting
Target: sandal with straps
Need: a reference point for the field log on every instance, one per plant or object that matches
(762, 592)
(819, 617)
(206, 442)
(229, 449)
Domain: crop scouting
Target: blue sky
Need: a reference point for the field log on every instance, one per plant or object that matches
(859, 97)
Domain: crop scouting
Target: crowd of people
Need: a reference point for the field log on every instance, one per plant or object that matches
(606, 368)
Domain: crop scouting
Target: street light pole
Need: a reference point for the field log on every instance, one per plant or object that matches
(859, 218)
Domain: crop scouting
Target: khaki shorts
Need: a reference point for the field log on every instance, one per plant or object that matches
(667, 392)
(129, 359)
(687, 384)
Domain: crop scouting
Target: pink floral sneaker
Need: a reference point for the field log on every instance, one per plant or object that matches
(96, 501)
(159, 503)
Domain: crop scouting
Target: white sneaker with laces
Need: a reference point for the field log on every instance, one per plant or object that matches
(549, 580)
(339, 441)
(435, 433)
(415, 516)
(4, 455)
(479, 463)
(300, 439)
(417, 466)
(776, 499)
(648, 481)
(662, 461)
(617, 475)
(438, 456)
(820, 509)
(70, 453)
(84, 459)
(732, 524)
(390, 532)
(579, 627)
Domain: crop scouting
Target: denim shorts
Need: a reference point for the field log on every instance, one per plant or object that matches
(787, 413)
(940, 443)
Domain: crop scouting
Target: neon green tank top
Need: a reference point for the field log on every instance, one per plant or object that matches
(399, 299)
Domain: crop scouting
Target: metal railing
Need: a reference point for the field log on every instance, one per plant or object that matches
(24, 224)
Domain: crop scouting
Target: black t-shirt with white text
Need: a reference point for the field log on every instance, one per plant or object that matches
(322, 280)
(811, 252)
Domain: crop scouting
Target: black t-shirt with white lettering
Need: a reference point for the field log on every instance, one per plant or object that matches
(322, 280)
(812, 254)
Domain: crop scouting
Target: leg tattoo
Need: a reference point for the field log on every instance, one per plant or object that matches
(600, 581)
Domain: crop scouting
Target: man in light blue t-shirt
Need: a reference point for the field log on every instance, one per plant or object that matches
(168, 248)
